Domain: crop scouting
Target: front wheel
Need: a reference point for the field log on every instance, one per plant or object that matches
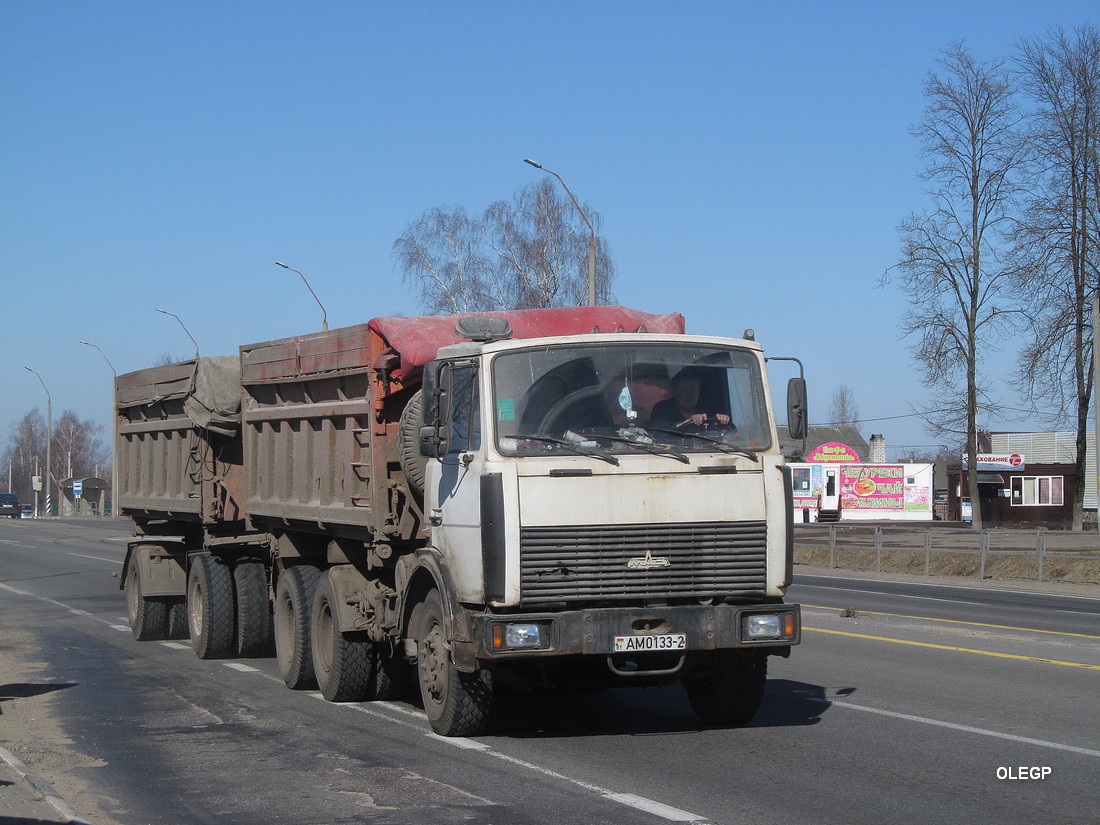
(729, 689)
(456, 703)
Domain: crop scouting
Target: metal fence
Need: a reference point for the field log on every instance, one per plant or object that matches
(1037, 553)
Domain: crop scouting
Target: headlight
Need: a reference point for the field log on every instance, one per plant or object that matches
(763, 626)
(519, 636)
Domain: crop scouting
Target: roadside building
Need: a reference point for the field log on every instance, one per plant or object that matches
(841, 477)
(1025, 478)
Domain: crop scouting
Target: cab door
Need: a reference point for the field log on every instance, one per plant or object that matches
(454, 478)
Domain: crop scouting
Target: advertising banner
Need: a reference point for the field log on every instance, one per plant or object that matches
(872, 487)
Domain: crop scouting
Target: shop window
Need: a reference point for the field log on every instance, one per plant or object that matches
(1036, 491)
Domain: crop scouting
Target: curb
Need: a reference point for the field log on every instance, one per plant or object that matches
(42, 789)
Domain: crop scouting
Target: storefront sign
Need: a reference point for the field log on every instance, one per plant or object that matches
(872, 487)
(833, 451)
(999, 461)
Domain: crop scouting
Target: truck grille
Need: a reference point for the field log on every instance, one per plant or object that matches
(622, 562)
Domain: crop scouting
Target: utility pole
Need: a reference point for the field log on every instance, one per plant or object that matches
(591, 232)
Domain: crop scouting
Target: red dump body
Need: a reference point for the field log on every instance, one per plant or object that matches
(314, 439)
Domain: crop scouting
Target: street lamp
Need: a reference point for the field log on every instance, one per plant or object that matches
(591, 232)
(324, 314)
(114, 433)
(189, 335)
(49, 438)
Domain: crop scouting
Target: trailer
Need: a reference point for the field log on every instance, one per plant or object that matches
(467, 504)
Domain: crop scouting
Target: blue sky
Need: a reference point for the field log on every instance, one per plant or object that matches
(751, 161)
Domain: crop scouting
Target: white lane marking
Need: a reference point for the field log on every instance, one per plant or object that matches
(1012, 737)
(895, 595)
(176, 645)
(243, 668)
(630, 800)
(119, 627)
(14, 590)
(97, 558)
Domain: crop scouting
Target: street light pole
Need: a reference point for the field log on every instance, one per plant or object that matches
(114, 430)
(189, 335)
(591, 232)
(324, 313)
(49, 436)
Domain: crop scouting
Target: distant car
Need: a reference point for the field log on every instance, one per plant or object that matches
(10, 506)
(28, 511)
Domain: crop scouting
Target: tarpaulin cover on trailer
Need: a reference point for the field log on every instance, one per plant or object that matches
(213, 399)
(416, 340)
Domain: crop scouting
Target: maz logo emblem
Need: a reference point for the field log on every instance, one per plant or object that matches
(648, 562)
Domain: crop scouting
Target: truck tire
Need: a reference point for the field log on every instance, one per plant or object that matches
(253, 608)
(148, 617)
(293, 602)
(393, 675)
(210, 608)
(177, 619)
(731, 689)
(413, 464)
(343, 666)
(456, 703)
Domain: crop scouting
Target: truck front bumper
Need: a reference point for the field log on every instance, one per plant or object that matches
(594, 632)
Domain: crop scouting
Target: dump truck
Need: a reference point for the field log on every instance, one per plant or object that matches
(465, 505)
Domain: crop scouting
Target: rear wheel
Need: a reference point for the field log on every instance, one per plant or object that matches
(343, 666)
(253, 609)
(177, 618)
(456, 703)
(293, 602)
(211, 613)
(148, 617)
(730, 690)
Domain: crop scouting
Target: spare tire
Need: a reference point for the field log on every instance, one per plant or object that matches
(413, 464)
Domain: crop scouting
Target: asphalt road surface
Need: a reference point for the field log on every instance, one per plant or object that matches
(928, 705)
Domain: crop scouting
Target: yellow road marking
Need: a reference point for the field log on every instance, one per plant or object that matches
(955, 621)
(956, 649)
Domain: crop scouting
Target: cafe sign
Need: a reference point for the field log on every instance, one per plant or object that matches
(833, 451)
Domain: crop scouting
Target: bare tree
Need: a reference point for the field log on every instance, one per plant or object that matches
(524, 253)
(844, 412)
(952, 266)
(1058, 240)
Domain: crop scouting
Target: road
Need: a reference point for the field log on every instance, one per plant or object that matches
(922, 707)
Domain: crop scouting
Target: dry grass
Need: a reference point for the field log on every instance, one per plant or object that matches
(947, 563)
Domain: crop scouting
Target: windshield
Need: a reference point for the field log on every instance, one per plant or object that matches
(668, 399)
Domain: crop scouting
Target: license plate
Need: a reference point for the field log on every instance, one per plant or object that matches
(657, 641)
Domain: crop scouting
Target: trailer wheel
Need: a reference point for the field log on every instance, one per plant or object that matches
(148, 617)
(293, 601)
(456, 703)
(343, 666)
(730, 691)
(253, 608)
(210, 608)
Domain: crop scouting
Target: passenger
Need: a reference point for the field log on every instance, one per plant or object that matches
(684, 409)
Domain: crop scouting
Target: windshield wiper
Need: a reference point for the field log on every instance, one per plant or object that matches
(723, 446)
(649, 448)
(577, 448)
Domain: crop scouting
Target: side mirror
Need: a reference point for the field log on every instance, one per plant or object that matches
(796, 408)
(429, 392)
(431, 443)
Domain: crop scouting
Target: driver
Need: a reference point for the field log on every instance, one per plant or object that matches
(683, 408)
